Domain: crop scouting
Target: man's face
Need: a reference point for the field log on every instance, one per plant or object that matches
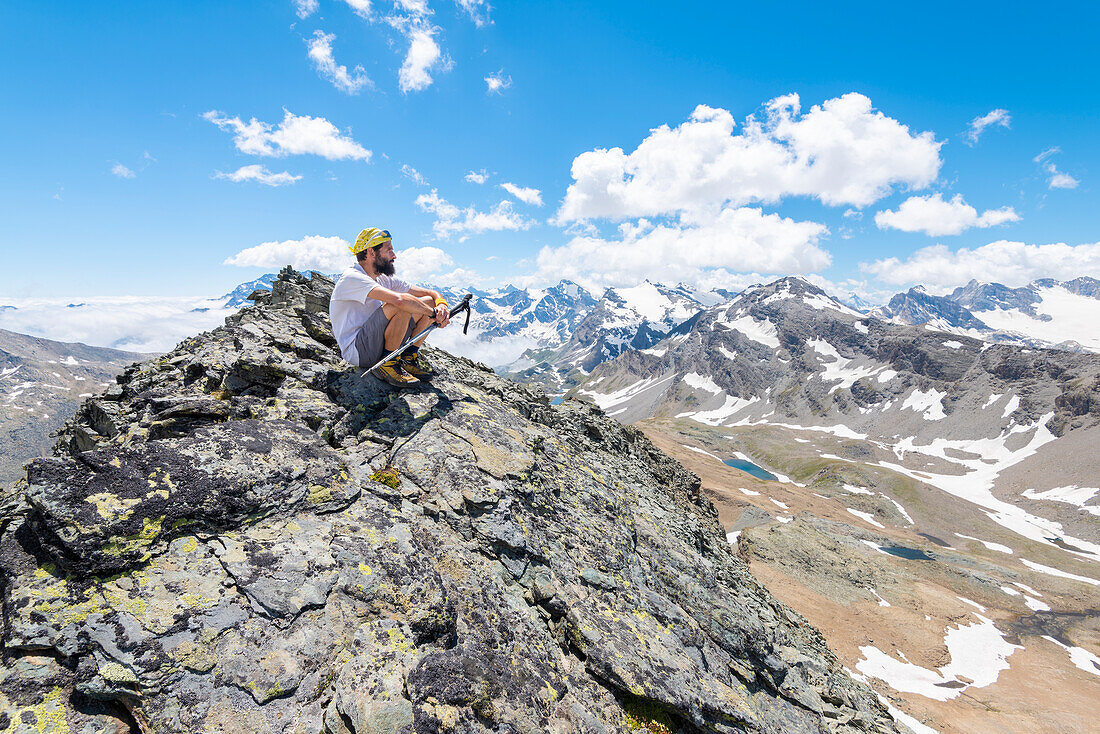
(384, 258)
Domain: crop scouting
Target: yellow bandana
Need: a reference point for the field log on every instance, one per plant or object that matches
(371, 237)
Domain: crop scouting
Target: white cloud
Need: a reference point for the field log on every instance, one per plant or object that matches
(133, 323)
(450, 220)
(424, 53)
(413, 175)
(362, 8)
(477, 177)
(305, 8)
(710, 249)
(416, 264)
(979, 124)
(412, 19)
(327, 254)
(1058, 179)
(258, 174)
(320, 53)
(1010, 263)
(295, 135)
(934, 216)
(841, 152)
(122, 171)
(524, 194)
(332, 255)
(496, 83)
(478, 10)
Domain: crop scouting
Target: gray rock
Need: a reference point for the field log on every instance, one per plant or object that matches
(318, 552)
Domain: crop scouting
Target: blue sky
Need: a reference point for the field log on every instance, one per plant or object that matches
(121, 127)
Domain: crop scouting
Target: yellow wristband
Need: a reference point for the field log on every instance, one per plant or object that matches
(440, 302)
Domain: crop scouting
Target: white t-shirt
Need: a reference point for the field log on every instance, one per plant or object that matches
(351, 305)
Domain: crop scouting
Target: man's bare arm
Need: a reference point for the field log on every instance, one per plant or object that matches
(413, 304)
(406, 302)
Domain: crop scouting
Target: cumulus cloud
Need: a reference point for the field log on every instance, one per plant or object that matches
(524, 194)
(497, 83)
(1058, 179)
(295, 135)
(737, 239)
(979, 124)
(320, 53)
(934, 216)
(314, 252)
(477, 10)
(477, 177)
(841, 152)
(122, 171)
(258, 174)
(362, 8)
(1010, 263)
(305, 8)
(413, 175)
(332, 255)
(451, 220)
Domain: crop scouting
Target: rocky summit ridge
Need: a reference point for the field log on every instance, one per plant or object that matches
(248, 535)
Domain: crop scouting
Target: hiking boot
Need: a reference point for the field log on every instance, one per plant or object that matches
(393, 373)
(417, 367)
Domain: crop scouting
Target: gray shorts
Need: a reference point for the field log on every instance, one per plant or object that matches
(370, 342)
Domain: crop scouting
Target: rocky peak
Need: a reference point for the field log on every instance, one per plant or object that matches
(978, 297)
(248, 534)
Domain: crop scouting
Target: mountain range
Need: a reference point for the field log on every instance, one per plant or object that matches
(1044, 313)
(41, 384)
(924, 497)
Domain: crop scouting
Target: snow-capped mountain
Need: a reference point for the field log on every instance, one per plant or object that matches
(950, 411)
(623, 319)
(1047, 313)
(546, 316)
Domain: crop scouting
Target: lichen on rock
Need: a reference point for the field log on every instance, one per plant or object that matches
(227, 555)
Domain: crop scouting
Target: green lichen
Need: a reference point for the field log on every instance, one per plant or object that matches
(387, 476)
(319, 493)
(644, 715)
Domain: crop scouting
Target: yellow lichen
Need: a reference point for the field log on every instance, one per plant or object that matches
(387, 476)
(365, 569)
(49, 716)
(319, 493)
(111, 506)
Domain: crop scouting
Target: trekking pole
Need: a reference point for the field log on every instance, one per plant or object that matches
(463, 306)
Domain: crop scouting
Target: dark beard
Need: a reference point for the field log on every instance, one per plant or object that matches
(385, 268)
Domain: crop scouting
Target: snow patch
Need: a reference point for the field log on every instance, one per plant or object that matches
(930, 403)
(612, 399)
(990, 545)
(1072, 495)
(700, 382)
(856, 490)
(1055, 572)
(1079, 656)
(717, 416)
(979, 652)
(762, 332)
(866, 516)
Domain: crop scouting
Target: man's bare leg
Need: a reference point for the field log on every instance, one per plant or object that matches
(398, 325)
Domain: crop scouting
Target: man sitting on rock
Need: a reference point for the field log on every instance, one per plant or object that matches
(374, 312)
